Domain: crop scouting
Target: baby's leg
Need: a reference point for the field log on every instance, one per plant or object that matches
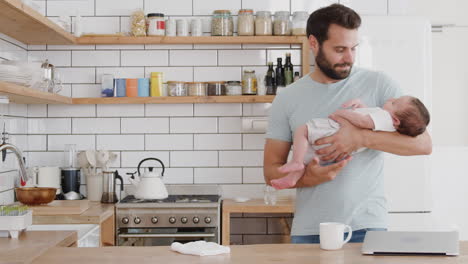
(287, 181)
(300, 145)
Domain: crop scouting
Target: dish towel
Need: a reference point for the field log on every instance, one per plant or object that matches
(200, 248)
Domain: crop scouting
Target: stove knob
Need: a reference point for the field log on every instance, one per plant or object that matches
(184, 220)
(196, 220)
(137, 220)
(172, 220)
(207, 220)
(154, 220)
(125, 220)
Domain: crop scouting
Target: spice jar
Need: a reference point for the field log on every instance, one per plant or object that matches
(196, 88)
(299, 23)
(221, 23)
(281, 24)
(233, 88)
(216, 88)
(182, 27)
(245, 22)
(171, 27)
(176, 88)
(249, 83)
(156, 24)
(263, 26)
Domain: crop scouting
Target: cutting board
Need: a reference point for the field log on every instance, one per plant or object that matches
(61, 207)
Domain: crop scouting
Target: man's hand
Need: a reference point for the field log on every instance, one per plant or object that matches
(316, 174)
(348, 139)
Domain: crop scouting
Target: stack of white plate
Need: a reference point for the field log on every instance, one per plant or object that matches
(15, 74)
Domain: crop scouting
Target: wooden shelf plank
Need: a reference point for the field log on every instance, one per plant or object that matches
(176, 100)
(24, 95)
(191, 40)
(25, 24)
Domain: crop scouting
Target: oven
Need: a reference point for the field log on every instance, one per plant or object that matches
(160, 223)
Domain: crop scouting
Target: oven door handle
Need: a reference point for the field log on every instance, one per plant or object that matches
(167, 235)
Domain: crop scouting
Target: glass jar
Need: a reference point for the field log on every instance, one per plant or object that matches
(156, 24)
(281, 25)
(221, 23)
(216, 88)
(233, 88)
(171, 27)
(181, 27)
(245, 22)
(299, 23)
(249, 83)
(177, 88)
(263, 26)
(196, 88)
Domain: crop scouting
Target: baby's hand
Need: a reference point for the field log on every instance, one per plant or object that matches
(353, 103)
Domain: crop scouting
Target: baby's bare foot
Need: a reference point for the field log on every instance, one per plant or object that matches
(291, 166)
(287, 181)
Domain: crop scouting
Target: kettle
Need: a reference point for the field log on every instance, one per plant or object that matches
(150, 184)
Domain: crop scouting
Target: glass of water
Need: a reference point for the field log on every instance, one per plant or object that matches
(269, 195)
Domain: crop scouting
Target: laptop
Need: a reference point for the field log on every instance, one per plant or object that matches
(411, 243)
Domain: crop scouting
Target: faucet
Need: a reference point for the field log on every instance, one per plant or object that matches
(22, 168)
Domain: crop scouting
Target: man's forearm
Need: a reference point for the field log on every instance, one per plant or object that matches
(396, 143)
(271, 172)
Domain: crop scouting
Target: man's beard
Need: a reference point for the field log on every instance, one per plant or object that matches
(329, 70)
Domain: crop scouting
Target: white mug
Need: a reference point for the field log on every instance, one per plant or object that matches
(331, 235)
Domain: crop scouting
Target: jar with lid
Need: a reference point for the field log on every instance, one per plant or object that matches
(176, 88)
(249, 83)
(281, 25)
(222, 23)
(216, 88)
(156, 24)
(263, 24)
(299, 23)
(245, 22)
(233, 88)
(196, 88)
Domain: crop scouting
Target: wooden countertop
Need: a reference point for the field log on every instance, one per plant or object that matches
(283, 205)
(31, 244)
(258, 254)
(96, 214)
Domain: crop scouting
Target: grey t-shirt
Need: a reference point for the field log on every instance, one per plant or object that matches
(356, 196)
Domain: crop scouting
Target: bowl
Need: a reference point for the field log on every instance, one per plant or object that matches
(35, 195)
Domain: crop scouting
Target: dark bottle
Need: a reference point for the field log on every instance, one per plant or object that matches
(288, 70)
(270, 80)
(279, 76)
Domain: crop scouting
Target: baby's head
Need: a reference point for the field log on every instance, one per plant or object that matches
(410, 116)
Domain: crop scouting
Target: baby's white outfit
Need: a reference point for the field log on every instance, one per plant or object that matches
(324, 127)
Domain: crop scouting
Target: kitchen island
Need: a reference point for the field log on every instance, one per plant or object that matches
(258, 254)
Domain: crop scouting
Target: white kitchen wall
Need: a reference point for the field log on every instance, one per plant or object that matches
(14, 117)
(203, 143)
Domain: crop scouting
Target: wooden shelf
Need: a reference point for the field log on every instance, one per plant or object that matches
(24, 95)
(87, 40)
(176, 100)
(25, 24)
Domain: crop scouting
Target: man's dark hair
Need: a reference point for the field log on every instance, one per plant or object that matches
(321, 19)
(414, 119)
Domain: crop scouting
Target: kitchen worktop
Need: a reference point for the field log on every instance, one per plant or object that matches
(97, 213)
(31, 244)
(259, 254)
